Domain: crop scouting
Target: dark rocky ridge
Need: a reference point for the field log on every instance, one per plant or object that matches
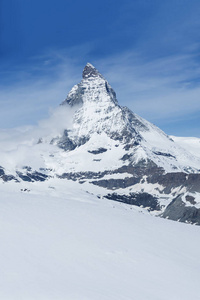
(169, 182)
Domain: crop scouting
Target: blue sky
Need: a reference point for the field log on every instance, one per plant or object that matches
(149, 50)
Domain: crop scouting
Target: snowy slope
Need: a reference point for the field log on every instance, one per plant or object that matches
(58, 242)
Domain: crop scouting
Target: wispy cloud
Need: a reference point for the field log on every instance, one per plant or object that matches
(161, 88)
(33, 90)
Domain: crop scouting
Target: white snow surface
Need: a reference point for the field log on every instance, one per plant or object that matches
(59, 242)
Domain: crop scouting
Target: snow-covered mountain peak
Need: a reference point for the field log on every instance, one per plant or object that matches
(90, 71)
(98, 112)
(93, 88)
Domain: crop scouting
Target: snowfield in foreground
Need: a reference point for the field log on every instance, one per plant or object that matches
(59, 242)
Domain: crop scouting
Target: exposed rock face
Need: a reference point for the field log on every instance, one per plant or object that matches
(32, 176)
(144, 200)
(177, 210)
(6, 177)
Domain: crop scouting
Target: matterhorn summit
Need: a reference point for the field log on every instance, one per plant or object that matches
(98, 111)
(90, 71)
(114, 154)
(99, 114)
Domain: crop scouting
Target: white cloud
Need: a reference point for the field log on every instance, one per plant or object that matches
(19, 146)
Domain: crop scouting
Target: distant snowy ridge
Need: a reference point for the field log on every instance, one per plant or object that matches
(191, 144)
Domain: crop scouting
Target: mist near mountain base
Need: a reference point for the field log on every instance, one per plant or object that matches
(16, 144)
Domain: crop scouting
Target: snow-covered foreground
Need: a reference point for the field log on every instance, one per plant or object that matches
(60, 243)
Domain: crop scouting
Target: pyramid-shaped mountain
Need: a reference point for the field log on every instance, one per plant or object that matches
(99, 114)
(116, 154)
